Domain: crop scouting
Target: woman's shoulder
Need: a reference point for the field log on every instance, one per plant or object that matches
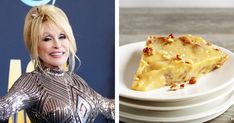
(27, 75)
(76, 76)
(25, 79)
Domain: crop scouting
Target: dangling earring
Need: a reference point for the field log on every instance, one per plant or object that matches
(71, 63)
(37, 63)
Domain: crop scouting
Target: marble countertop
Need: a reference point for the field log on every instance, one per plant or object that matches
(213, 24)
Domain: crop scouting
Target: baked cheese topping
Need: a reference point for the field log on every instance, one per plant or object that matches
(169, 60)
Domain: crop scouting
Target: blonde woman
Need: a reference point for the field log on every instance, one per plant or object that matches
(50, 94)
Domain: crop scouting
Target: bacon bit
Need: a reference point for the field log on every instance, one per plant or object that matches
(217, 49)
(182, 86)
(149, 42)
(216, 66)
(185, 40)
(174, 87)
(154, 37)
(178, 57)
(187, 62)
(148, 51)
(192, 80)
(171, 36)
(163, 39)
(137, 78)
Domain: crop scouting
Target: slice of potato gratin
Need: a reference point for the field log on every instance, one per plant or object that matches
(170, 60)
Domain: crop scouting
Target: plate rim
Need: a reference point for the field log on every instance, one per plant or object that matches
(223, 94)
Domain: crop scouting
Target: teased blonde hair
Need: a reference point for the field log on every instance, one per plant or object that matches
(33, 29)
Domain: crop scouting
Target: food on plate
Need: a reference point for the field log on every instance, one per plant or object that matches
(173, 61)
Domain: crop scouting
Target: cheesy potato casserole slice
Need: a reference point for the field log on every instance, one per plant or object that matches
(170, 60)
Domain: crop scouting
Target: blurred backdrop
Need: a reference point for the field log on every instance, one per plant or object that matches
(93, 26)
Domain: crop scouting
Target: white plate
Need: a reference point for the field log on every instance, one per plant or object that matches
(176, 113)
(129, 57)
(178, 105)
(203, 116)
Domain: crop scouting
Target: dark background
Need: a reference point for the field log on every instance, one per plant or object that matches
(93, 26)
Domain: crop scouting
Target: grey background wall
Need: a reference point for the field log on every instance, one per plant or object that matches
(177, 3)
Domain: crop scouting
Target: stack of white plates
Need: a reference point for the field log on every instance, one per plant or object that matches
(208, 98)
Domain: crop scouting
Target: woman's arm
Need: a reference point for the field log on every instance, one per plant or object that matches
(107, 106)
(18, 97)
(12, 103)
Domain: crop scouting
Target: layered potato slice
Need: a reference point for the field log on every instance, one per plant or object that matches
(169, 60)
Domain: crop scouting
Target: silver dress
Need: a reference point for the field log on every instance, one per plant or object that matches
(55, 96)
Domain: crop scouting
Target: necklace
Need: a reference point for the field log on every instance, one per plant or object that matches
(54, 72)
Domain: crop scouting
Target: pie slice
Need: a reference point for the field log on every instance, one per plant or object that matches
(169, 60)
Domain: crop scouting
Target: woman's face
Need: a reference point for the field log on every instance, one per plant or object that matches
(53, 46)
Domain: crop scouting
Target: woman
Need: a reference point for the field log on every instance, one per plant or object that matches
(50, 94)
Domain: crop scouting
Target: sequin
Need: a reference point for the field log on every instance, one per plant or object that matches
(59, 97)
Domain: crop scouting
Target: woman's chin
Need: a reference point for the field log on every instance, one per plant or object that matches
(61, 65)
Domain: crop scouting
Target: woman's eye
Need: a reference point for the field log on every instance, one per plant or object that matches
(46, 39)
(62, 36)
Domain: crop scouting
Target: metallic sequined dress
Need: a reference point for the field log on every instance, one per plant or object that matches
(55, 97)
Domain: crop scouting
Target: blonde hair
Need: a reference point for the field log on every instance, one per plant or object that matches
(33, 27)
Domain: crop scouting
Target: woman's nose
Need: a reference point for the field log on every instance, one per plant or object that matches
(57, 43)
